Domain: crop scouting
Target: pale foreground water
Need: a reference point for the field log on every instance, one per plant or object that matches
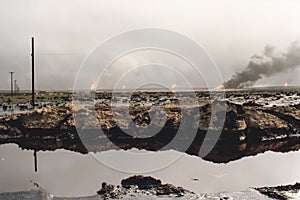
(64, 173)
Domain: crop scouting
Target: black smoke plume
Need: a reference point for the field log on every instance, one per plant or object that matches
(266, 65)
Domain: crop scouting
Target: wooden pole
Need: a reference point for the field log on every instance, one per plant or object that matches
(12, 83)
(15, 85)
(32, 66)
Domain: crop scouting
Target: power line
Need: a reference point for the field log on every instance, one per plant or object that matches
(59, 54)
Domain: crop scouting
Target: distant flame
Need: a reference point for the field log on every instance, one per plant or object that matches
(93, 86)
(220, 87)
(173, 86)
(123, 87)
(286, 84)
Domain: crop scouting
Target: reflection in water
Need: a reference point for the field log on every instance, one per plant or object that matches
(66, 173)
(35, 160)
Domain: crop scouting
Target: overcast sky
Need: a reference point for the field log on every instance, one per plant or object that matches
(66, 31)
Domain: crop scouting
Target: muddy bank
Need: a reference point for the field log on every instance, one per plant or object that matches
(146, 185)
(249, 128)
(138, 187)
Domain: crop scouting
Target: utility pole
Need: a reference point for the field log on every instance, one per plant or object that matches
(15, 85)
(32, 66)
(12, 83)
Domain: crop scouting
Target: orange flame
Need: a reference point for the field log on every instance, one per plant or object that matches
(220, 87)
(286, 84)
(93, 86)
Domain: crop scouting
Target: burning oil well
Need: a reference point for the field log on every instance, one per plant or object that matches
(265, 65)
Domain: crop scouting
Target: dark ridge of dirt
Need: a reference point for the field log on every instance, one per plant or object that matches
(248, 129)
(278, 192)
(143, 183)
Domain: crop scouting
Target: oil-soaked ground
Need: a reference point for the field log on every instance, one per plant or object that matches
(255, 121)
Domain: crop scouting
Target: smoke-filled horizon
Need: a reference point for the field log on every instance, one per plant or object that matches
(265, 65)
(67, 31)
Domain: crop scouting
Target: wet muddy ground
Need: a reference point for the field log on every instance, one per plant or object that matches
(254, 122)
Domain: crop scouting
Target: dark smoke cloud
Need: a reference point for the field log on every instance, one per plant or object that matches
(266, 65)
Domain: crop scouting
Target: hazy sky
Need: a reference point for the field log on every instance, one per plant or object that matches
(67, 30)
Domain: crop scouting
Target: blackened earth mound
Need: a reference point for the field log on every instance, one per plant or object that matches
(138, 184)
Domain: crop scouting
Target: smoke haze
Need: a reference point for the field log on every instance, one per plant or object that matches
(266, 65)
(67, 31)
